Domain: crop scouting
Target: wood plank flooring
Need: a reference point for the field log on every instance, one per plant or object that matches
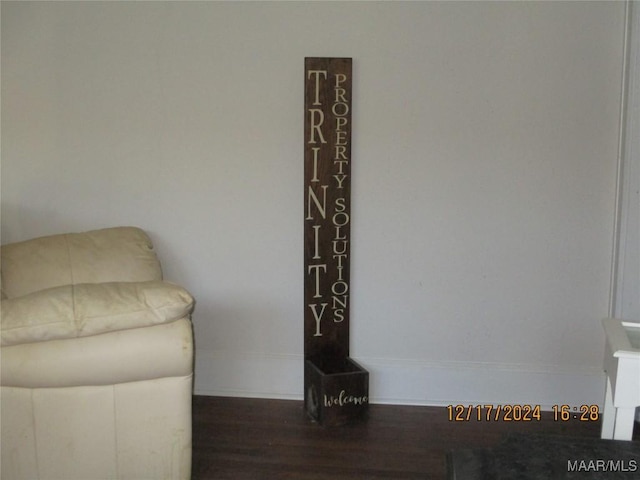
(256, 439)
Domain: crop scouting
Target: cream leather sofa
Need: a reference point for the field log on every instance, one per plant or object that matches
(96, 360)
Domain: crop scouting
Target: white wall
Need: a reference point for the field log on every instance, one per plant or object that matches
(625, 298)
(626, 282)
(485, 139)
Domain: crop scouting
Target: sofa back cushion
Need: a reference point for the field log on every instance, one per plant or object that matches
(120, 254)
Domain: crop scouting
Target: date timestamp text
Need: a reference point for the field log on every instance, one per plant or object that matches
(584, 413)
(494, 413)
(520, 413)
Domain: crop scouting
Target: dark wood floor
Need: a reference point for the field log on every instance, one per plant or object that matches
(251, 439)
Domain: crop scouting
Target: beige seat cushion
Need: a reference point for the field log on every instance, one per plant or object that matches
(124, 356)
(83, 310)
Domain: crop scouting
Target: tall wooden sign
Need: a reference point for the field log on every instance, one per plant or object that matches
(336, 387)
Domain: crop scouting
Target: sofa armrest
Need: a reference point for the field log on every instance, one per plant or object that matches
(84, 310)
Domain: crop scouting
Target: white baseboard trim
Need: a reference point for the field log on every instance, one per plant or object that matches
(405, 382)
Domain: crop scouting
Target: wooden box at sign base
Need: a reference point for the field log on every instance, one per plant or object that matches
(337, 391)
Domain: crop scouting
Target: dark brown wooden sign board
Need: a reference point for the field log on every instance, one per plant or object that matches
(336, 388)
